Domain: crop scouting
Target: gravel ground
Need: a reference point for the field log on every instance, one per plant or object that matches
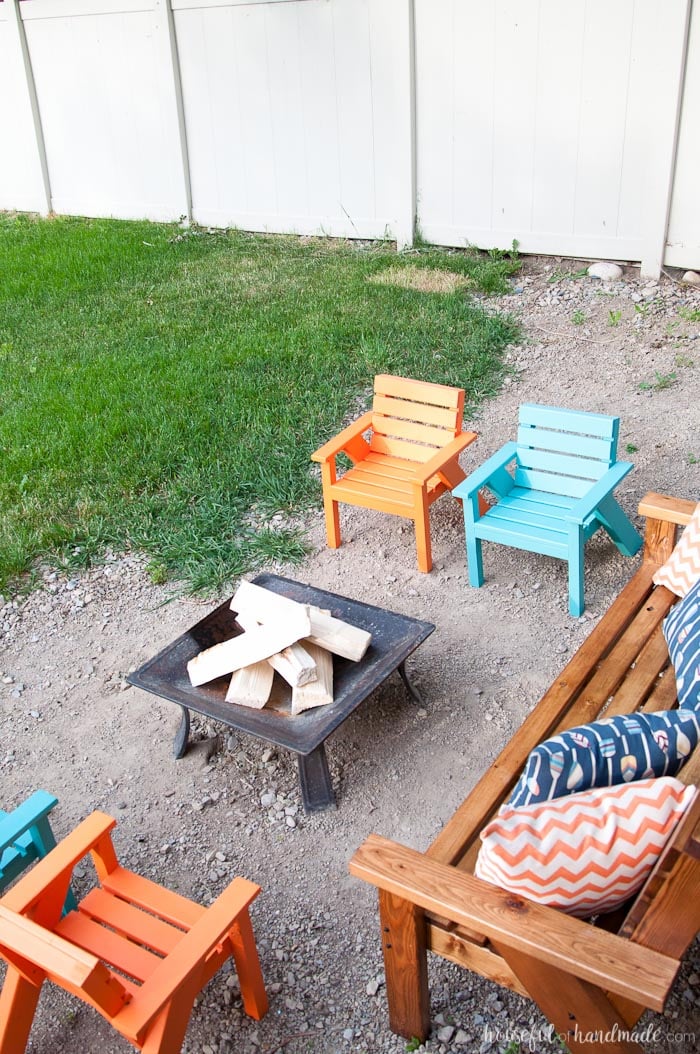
(71, 724)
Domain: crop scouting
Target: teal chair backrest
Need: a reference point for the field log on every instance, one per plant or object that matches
(25, 835)
(563, 451)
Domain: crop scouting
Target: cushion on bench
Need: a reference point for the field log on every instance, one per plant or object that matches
(682, 633)
(585, 853)
(603, 753)
(682, 569)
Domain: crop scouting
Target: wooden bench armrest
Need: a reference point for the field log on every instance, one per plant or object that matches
(446, 454)
(586, 505)
(210, 931)
(545, 934)
(671, 510)
(348, 436)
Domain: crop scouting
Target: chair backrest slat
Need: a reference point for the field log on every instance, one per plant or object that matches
(565, 443)
(414, 419)
(563, 420)
(562, 451)
(549, 483)
(425, 413)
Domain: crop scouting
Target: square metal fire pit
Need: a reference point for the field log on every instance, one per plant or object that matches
(394, 638)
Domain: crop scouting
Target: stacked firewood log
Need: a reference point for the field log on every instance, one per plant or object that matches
(296, 640)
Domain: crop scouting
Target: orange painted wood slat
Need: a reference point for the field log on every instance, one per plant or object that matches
(419, 391)
(427, 414)
(58, 958)
(356, 494)
(159, 901)
(382, 475)
(396, 465)
(124, 955)
(412, 431)
(57, 866)
(189, 955)
(132, 922)
(401, 448)
(349, 435)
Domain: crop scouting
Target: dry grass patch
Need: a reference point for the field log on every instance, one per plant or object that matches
(422, 279)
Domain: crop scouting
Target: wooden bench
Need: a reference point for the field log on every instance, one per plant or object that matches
(585, 978)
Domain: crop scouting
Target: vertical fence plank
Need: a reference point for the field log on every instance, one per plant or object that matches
(18, 37)
(165, 23)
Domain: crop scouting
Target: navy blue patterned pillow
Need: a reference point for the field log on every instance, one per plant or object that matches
(614, 750)
(682, 633)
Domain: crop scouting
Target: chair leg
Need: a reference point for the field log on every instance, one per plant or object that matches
(405, 966)
(17, 1006)
(576, 600)
(475, 565)
(330, 507)
(422, 522)
(623, 533)
(167, 1032)
(250, 978)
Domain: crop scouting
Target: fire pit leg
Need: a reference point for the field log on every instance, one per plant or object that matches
(410, 686)
(182, 734)
(315, 780)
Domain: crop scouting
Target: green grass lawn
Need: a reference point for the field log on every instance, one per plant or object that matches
(156, 383)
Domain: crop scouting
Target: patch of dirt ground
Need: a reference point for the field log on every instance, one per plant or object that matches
(71, 724)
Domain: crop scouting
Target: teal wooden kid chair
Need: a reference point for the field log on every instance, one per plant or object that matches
(25, 836)
(560, 493)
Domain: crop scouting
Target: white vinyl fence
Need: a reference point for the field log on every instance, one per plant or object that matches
(570, 127)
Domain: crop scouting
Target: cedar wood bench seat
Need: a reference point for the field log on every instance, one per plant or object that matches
(585, 978)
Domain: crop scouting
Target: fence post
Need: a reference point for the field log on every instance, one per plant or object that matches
(165, 25)
(663, 157)
(17, 26)
(406, 218)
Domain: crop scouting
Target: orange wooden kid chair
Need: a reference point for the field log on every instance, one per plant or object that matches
(408, 461)
(136, 952)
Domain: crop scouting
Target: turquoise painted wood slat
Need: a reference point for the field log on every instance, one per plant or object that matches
(504, 512)
(555, 491)
(578, 421)
(550, 483)
(562, 464)
(26, 836)
(565, 443)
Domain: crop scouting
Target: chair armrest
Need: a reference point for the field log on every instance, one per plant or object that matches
(58, 866)
(509, 921)
(210, 930)
(26, 815)
(605, 485)
(443, 456)
(481, 476)
(338, 443)
(31, 948)
(672, 510)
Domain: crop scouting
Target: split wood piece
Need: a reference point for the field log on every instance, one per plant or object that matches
(328, 632)
(251, 685)
(320, 691)
(294, 664)
(248, 648)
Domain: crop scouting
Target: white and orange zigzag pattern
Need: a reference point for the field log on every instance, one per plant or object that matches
(682, 569)
(585, 853)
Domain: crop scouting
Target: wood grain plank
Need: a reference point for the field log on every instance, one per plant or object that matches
(552, 937)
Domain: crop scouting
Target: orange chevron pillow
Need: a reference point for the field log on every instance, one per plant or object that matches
(585, 853)
(682, 569)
